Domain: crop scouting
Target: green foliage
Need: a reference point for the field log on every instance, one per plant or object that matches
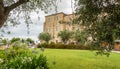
(42, 45)
(25, 7)
(65, 35)
(28, 62)
(52, 45)
(19, 56)
(30, 40)
(44, 36)
(62, 46)
(101, 18)
(80, 37)
(23, 40)
(16, 49)
(94, 45)
(3, 41)
(14, 40)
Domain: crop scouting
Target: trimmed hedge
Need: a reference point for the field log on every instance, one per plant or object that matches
(62, 46)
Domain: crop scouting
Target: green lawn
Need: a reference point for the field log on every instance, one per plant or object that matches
(80, 59)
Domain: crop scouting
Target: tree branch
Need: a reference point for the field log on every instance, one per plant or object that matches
(1, 6)
(18, 3)
(1, 3)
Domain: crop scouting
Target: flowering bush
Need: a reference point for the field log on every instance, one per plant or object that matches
(19, 56)
(1, 60)
(27, 62)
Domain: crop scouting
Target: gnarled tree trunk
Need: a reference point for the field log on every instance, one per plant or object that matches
(3, 17)
(4, 11)
(2, 14)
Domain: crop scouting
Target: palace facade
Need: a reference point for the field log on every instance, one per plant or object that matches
(58, 22)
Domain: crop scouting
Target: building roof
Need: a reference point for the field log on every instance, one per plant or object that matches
(57, 13)
(54, 14)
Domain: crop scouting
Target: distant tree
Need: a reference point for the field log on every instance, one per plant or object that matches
(44, 36)
(65, 35)
(14, 40)
(3, 41)
(29, 40)
(80, 37)
(23, 40)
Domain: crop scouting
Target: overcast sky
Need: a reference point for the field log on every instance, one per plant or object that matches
(37, 27)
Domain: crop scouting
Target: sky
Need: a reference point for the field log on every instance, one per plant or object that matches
(37, 26)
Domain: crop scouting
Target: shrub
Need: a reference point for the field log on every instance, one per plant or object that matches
(14, 40)
(51, 45)
(4, 41)
(30, 40)
(42, 45)
(62, 46)
(28, 62)
(18, 56)
(16, 49)
(94, 46)
(59, 45)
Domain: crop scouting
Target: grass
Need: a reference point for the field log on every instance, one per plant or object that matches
(80, 59)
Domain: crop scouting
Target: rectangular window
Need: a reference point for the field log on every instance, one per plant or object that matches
(48, 29)
(48, 19)
(56, 28)
(69, 21)
(56, 17)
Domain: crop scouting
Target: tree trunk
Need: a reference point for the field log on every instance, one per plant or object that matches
(4, 11)
(2, 14)
(3, 18)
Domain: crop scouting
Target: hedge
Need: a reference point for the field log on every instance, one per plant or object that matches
(62, 46)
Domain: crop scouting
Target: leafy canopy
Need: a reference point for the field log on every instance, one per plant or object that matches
(80, 37)
(44, 36)
(101, 18)
(19, 11)
(65, 35)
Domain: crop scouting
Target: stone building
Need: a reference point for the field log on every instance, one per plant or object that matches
(58, 22)
(117, 45)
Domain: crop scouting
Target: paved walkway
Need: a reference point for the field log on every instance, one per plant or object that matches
(116, 51)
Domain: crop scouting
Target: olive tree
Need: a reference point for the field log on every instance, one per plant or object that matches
(65, 35)
(44, 36)
(15, 10)
(102, 21)
(80, 37)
